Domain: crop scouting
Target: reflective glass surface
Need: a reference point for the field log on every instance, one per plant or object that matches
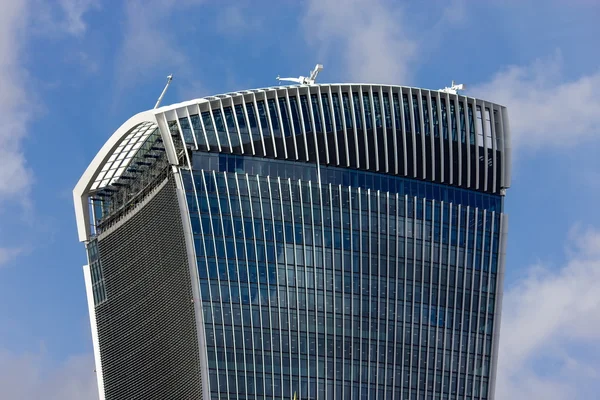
(346, 177)
(334, 291)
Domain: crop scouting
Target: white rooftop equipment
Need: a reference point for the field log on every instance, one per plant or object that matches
(454, 88)
(303, 80)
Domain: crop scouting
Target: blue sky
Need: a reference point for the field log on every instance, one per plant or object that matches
(71, 71)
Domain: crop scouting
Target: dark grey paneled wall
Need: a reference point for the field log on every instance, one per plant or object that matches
(146, 326)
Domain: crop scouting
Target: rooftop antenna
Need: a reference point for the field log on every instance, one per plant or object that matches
(454, 88)
(169, 79)
(303, 80)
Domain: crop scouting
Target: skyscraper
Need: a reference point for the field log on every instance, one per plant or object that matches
(334, 241)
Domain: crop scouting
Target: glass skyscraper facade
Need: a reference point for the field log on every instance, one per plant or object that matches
(330, 241)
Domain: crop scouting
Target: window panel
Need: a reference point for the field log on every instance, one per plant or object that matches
(337, 111)
(426, 115)
(327, 113)
(444, 117)
(210, 129)
(406, 113)
(316, 113)
(285, 118)
(306, 113)
(416, 114)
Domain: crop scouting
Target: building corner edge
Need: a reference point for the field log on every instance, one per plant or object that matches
(87, 276)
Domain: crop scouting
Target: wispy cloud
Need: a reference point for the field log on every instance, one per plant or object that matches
(7, 254)
(368, 35)
(17, 103)
(15, 176)
(74, 11)
(34, 377)
(62, 17)
(237, 19)
(551, 328)
(149, 43)
(546, 108)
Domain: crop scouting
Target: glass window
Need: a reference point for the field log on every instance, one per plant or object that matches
(186, 130)
(497, 129)
(471, 125)
(377, 110)
(306, 113)
(488, 126)
(327, 113)
(368, 116)
(386, 109)
(210, 129)
(463, 128)
(337, 112)
(316, 113)
(479, 127)
(241, 118)
(295, 115)
(262, 115)
(253, 122)
(357, 110)
(416, 113)
(397, 113)
(444, 119)
(426, 115)
(197, 127)
(285, 118)
(453, 120)
(406, 113)
(230, 121)
(220, 125)
(274, 118)
(347, 112)
(436, 122)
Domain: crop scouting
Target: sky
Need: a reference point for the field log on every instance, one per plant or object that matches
(72, 71)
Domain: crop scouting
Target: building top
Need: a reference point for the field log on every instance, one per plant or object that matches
(433, 135)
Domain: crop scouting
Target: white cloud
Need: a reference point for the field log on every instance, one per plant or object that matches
(8, 254)
(61, 17)
(550, 335)
(17, 104)
(148, 41)
(367, 34)
(545, 107)
(34, 377)
(73, 14)
(15, 177)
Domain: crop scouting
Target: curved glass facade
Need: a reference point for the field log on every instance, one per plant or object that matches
(341, 292)
(344, 241)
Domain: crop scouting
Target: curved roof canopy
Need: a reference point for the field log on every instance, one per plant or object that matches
(123, 154)
(122, 147)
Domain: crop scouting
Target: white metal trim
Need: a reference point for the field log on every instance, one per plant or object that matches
(87, 277)
(83, 185)
(194, 276)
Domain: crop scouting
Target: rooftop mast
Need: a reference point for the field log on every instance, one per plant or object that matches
(169, 79)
